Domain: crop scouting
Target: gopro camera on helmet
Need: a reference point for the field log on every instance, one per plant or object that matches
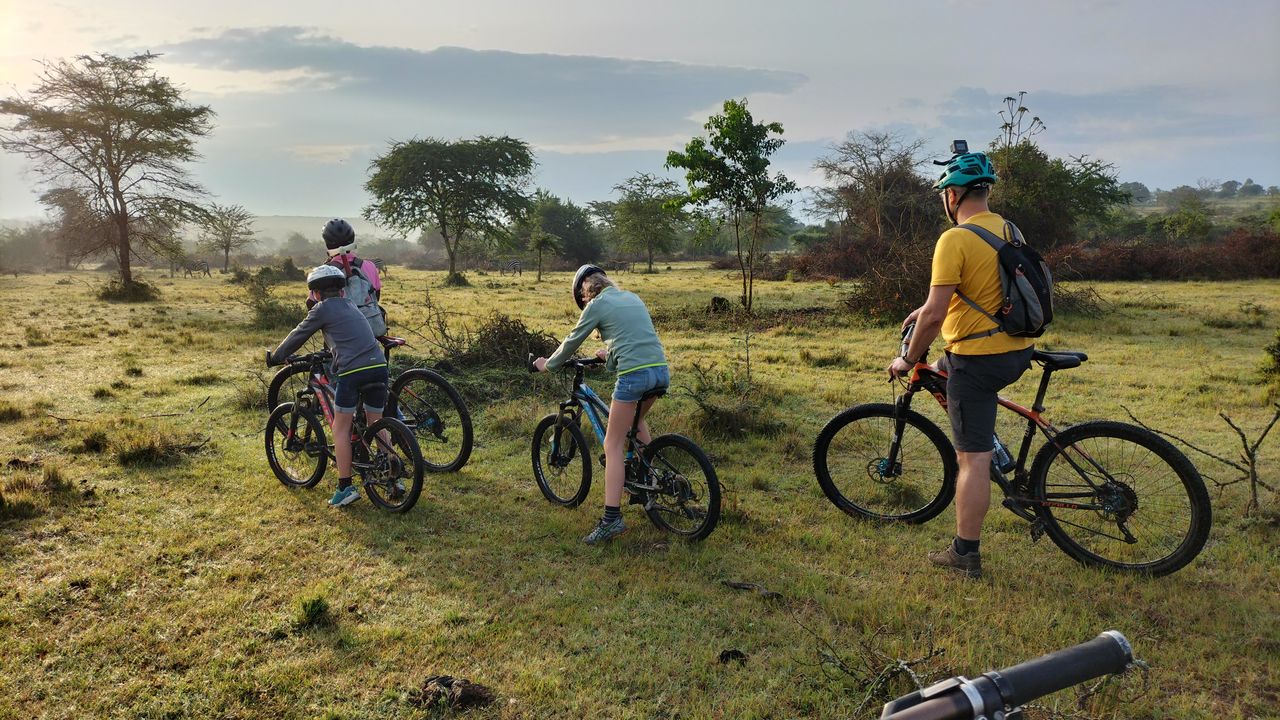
(959, 147)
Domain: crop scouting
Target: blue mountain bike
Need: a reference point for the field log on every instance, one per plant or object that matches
(671, 477)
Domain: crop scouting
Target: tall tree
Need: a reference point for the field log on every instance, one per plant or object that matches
(111, 129)
(225, 228)
(460, 189)
(729, 170)
(541, 241)
(78, 230)
(876, 191)
(579, 240)
(647, 216)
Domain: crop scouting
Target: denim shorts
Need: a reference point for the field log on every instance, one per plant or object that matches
(369, 384)
(638, 382)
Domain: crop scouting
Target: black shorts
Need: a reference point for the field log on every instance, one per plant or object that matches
(973, 382)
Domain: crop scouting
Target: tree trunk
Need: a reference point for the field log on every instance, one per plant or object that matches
(539, 266)
(126, 271)
(451, 250)
(226, 259)
(650, 259)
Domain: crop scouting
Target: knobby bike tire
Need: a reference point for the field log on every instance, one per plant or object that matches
(555, 476)
(673, 462)
(426, 422)
(849, 459)
(1172, 517)
(286, 383)
(404, 445)
(297, 449)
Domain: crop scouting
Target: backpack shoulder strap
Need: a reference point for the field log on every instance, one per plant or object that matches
(995, 242)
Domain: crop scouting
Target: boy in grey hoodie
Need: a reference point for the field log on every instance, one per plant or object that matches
(359, 364)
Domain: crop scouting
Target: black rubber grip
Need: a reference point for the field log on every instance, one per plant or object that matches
(1104, 655)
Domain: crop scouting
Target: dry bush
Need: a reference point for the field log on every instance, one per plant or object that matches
(131, 292)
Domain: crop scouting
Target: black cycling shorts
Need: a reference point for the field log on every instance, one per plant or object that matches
(973, 383)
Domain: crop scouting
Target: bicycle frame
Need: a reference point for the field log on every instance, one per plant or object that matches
(584, 401)
(927, 378)
(318, 385)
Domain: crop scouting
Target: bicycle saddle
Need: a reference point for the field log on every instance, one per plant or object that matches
(654, 393)
(1059, 360)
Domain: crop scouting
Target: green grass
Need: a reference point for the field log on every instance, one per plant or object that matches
(176, 583)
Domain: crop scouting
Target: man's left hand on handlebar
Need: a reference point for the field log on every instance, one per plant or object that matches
(899, 366)
(540, 364)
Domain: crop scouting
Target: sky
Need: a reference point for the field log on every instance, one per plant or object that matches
(307, 93)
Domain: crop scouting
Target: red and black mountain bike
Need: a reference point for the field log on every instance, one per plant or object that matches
(1106, 493)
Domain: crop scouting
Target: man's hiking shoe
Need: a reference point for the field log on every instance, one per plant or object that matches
(969, 565)
(605, 532)
(344, 497)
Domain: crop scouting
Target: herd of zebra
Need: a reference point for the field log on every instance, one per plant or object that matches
(196, 268)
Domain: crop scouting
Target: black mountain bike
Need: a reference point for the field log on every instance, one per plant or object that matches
(671, 476)
(422, 399)
(1106, 493)
(385, 454)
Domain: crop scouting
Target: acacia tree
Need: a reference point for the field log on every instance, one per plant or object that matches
(462, 189)
(541, 241)
(729, 171)
(224, 228)
(647, 217)
(111, 129)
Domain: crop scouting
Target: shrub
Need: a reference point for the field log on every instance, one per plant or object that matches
(1271, 368)
(138, 444)
(269, 312)
(728, 405)
(130, 292)
(36, 337)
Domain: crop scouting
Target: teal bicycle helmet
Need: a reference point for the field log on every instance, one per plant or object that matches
(967, 170)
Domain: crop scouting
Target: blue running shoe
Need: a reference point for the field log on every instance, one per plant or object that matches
(605, 532)
(344, 497)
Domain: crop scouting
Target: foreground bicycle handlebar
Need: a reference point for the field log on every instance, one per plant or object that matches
(998, 694)
(570, 363)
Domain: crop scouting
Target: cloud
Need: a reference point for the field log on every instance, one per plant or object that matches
(572, 102)
(325, 154)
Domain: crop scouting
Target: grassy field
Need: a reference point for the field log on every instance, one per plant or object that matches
(139, 580)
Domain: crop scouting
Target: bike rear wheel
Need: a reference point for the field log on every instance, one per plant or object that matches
(297, 449)
(561, 464)
(436, 414)
(851, 461)
(686, 501)
(1149, 509)
(393, 478)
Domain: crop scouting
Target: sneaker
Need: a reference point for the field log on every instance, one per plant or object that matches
(605, 531)
(970, 565)
(344, 497)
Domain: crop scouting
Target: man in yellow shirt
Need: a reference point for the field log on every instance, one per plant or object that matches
(979, 363)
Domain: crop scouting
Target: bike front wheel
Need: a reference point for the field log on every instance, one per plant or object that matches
(862, 472)
(685, 499)
(1143, 506)
(297, 449)
(561, 464)
(393, 476)
(436, 414)
(287, 383)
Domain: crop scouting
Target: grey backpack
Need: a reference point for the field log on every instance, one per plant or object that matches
(1025, 281)
(361, 292)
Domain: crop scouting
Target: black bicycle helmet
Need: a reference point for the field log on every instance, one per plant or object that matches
(583, 273)
(338, 233)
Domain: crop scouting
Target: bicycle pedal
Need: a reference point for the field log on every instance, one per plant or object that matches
(1037, 529)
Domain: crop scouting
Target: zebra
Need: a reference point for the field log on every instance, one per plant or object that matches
(381, 265)
(513, 267)
(192, 268)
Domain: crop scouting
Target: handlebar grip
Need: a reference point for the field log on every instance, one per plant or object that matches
(952, 706)
(1106, 654)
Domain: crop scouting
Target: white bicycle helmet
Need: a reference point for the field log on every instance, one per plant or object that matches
(326, 277)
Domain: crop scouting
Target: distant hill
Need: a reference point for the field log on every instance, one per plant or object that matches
(278, 227)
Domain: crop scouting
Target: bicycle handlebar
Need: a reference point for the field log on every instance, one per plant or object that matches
(963, 699)
(570, 363)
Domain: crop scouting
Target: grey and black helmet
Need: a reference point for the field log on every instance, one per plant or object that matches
(338, 234)
(583, 273)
